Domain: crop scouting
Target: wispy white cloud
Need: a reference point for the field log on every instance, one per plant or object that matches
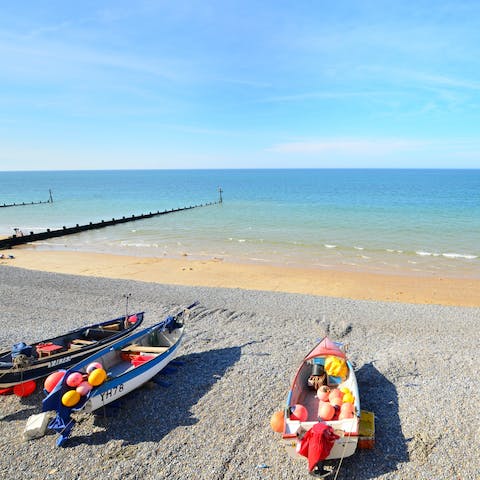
(325, 95)
(348, 146)
(50, 58)
(420, 78)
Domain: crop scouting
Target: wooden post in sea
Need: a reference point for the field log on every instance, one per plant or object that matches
(220, 192)
(51, 198)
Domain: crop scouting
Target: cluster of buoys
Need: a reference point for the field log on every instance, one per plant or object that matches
(336, 403)
(81, 383)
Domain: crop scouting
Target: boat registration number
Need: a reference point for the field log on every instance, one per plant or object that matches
(112, 392)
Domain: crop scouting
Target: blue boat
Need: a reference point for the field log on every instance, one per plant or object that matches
(113, 372)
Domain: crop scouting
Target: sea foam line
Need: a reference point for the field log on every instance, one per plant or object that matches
(423, 253)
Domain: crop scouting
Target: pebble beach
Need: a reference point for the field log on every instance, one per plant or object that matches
(416, 366)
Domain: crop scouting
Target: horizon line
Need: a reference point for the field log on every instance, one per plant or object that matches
(234, 169)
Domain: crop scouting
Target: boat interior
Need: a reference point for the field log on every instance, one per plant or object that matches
(78, 339)
(142, 350)
(305, 395)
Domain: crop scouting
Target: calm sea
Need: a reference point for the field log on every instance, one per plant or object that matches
(394, 221)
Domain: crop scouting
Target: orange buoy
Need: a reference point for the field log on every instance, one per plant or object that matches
(52, 380)
(97, 377)
(25, 389)
(347, 410)
(326, 411)
(335, 393)
(323, 392)
(70, 398)
(298, 412)
(336, 401)
(277, 422)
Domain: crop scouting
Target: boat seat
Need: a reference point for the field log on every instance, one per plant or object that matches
(47, 349)
(80, 341)
(144, 349)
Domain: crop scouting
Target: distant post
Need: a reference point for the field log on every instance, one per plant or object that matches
(51, 198)
(220, 191)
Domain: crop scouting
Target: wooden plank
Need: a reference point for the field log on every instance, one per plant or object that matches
(79, 341)
(145, 349)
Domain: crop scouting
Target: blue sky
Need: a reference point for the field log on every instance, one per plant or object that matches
(224, 84)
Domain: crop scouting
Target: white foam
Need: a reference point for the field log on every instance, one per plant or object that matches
(326, 245)
(459, 255)
(358, 248)
(424, 254)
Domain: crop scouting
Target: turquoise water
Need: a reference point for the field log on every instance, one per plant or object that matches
(394, 221)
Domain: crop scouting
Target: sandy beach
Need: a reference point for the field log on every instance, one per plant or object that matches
(415, 366)
(441, 290)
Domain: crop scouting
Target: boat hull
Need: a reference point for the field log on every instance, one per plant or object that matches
(117, 388)
(122, 368)
(301, 393)
(42, 367)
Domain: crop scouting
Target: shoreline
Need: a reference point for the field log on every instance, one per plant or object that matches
(356, 285)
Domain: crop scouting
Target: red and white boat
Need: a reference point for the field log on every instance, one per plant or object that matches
(324, 381)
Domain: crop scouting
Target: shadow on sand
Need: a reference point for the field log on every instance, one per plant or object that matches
(148, 414)
(378, 395)
(28, 405)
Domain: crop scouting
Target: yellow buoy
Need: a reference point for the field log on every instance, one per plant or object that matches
(97, 377)
(70, 398)
(348, 398)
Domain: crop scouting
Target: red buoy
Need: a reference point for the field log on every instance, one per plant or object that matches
(298, 412)
(25, 389)
(52, 380)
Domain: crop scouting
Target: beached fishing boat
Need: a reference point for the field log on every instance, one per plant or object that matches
(113, 372)
(24, 363)
(324, 394)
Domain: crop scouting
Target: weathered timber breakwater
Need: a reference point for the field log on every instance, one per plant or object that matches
(15, 240)
(23, 204)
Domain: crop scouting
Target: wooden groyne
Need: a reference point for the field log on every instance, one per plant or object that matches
(15, 240)
(23, 204)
